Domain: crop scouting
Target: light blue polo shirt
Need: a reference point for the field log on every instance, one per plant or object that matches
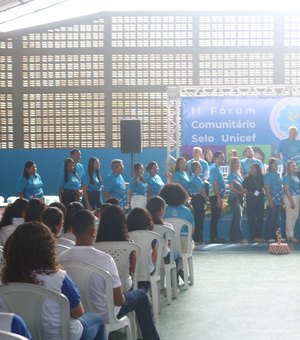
(294, 184)
(80, 172)
(204, 174)
(290, 150)
(235, 177)
(246, 164)
(216, 177)
(96, 186)
(196, 183)
(31, 187)
(274, 182)
(155, 184)
(116, 187)
(180, 212)
(182, 178)
(140, 188)
(73, 182)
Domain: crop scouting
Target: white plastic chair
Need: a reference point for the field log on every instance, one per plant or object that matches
(1, 199)
(27, 300)
(11, 199)
(144, 239)
(81, 273)
(1, 258)
(120, 251)
(59, 248)
(10, 336)
(170, 269)
(187, 257)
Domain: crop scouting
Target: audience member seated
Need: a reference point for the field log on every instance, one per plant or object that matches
(156, 207)
(112, 227)
(54, 219)
(72, 208)
(84, 228)
(60, 206)
(12, 217)
(140, 219)
(34, 210)
(13, 323)
(30, 257)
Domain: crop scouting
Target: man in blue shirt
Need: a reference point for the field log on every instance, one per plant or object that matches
(289, 148)
(75, 154)
(248, 161)
(197, 156)
(216, 195)
(114, 184)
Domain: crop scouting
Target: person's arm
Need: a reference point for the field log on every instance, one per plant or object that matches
(289, 196)
(118, 296)
(132, 262)
(86, 196)
(129, 195)
(269, 195)
(217, 193)
(77, 311)
(106, 195)
(154, 253)
(60, 191)
(203, 193)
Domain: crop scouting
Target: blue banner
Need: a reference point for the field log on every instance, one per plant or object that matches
(249, 121)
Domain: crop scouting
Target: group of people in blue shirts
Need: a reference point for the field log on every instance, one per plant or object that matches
(249, 180)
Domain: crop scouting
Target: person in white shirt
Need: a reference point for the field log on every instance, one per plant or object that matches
(84, 227)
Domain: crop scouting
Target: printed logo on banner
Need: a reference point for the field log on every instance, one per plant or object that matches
(284, 114)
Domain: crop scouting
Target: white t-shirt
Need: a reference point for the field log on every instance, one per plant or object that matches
(90, 255)
(7, 230)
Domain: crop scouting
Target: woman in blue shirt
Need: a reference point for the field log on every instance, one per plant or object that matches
(30, 185)
(138, 188)
(199, 198)
(236, 200)
(68, 189)
(92, 185)
(155, 183)
(274, 193)
(180, 175)
(291, 199)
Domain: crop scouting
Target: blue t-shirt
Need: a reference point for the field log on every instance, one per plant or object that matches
(13, 323)
(140, 188)
(155, 184)
(116, 187)
(294, 184)
(73, 182)
(273, 180)
(31, 187)
(290, 150)
(196, 183)
(235, 179)
(246, 164)
(180, 212)
(80, 172)
(182, 178)
(204, 174)
(96, 186)
(216, 177)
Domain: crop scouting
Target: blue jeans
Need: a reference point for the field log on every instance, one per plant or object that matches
(93, 327)
(137, 300)
(272, 222)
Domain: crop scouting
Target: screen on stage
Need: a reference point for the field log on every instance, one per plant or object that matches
(229, 122)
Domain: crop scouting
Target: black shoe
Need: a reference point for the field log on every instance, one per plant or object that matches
(218, 240)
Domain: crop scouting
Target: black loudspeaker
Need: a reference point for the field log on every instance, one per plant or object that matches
(131, 136)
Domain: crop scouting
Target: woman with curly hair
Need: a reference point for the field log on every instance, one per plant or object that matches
(155, 183)
(30, 257)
